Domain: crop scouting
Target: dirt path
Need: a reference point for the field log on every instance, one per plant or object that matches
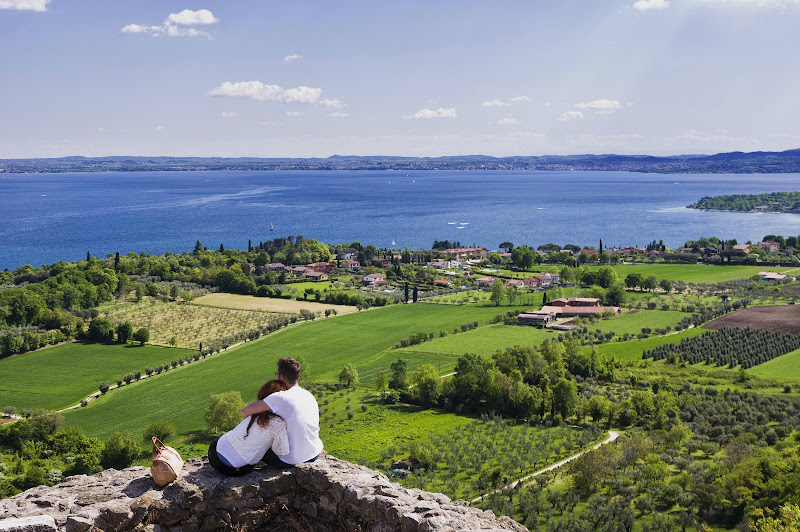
(612, 435)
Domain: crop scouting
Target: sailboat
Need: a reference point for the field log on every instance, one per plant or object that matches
(271, 228)
(393, 242)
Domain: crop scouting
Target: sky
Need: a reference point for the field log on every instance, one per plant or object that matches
(266, 78)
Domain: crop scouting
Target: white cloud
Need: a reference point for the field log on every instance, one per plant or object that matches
(433, 113)
(331, 102)
(159, 129)
(506, 121)
(494, 103)
(293, 113)
(25, 5)
(231, 114)
(188, 17)
(293, 57)
(547, 104)
(266, 123)
(102, 130)
(643, 5)
(600, 105)
(255, 90)
(520, 99)
(176, 24)
(337, 114)
(571, 115)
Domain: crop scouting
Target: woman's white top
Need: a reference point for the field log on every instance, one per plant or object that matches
(240, 451)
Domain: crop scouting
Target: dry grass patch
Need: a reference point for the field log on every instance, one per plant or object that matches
(191, 324)
(267, 304)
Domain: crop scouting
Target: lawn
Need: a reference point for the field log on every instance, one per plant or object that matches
(268, 304)
(61, 376)
(181, 396)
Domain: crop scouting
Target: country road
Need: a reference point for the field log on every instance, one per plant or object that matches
(612, 435)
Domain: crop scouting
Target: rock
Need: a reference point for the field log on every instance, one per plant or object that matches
(34, 523)
(324, 495)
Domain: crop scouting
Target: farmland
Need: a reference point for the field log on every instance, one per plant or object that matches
(61, 376)
(487, 340)
(265, 304)
(783, 318)
(181, 396)
(192, 324)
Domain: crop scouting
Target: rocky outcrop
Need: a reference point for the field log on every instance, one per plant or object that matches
(325, 495)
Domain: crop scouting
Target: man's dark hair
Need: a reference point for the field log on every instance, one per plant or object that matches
(289, 369)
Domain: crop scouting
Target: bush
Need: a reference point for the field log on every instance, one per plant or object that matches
(160, 429)
(119, 452)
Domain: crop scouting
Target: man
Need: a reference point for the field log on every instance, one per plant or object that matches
(299, 410)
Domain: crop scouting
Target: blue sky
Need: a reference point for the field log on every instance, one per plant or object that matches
(420, 78)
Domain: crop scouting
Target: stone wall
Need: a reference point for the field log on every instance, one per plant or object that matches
(326, 495)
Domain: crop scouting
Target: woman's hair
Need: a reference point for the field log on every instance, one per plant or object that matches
(263, 418)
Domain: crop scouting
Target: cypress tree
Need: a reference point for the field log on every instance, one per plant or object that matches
(116, 261)
(88, 256)
(221, 248)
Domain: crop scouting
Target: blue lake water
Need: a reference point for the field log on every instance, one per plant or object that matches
(48, 217)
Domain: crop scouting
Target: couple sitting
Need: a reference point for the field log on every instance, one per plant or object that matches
(280, 428)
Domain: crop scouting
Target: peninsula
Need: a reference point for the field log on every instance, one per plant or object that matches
(788, 202)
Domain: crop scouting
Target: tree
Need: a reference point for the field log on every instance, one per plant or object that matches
(788, 521)
(124, 332)
(381, 383)
(650, 283)
(508, 246)
(142, 335)
(198, 247)
(221, 248)
(415, 295)
(565, 398)
(174, 291)
(349, 375)
(427, 383)
(498, 292)
(634, 280)
(101, 330)
(119, 452)
(223, 413)
(116, 262)
(665, 285)
(399, 374)
(616, 295)
(606, 276)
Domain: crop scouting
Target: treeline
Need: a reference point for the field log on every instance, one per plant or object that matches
(728, 346)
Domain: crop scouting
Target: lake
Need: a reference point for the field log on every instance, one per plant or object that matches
(48, 217)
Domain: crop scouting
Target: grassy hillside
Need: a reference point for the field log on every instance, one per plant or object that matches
(487, 340)
(181, 396)
(61, 376)
(784, 368)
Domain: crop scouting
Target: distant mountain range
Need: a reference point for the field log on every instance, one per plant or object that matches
(733, 162)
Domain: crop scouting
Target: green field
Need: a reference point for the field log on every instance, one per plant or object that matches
(631, 351)
(486, 340)
(784, 368)
(181, 396)
(691, 273)
(61, 376)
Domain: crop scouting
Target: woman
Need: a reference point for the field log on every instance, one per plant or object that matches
(237, 451)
